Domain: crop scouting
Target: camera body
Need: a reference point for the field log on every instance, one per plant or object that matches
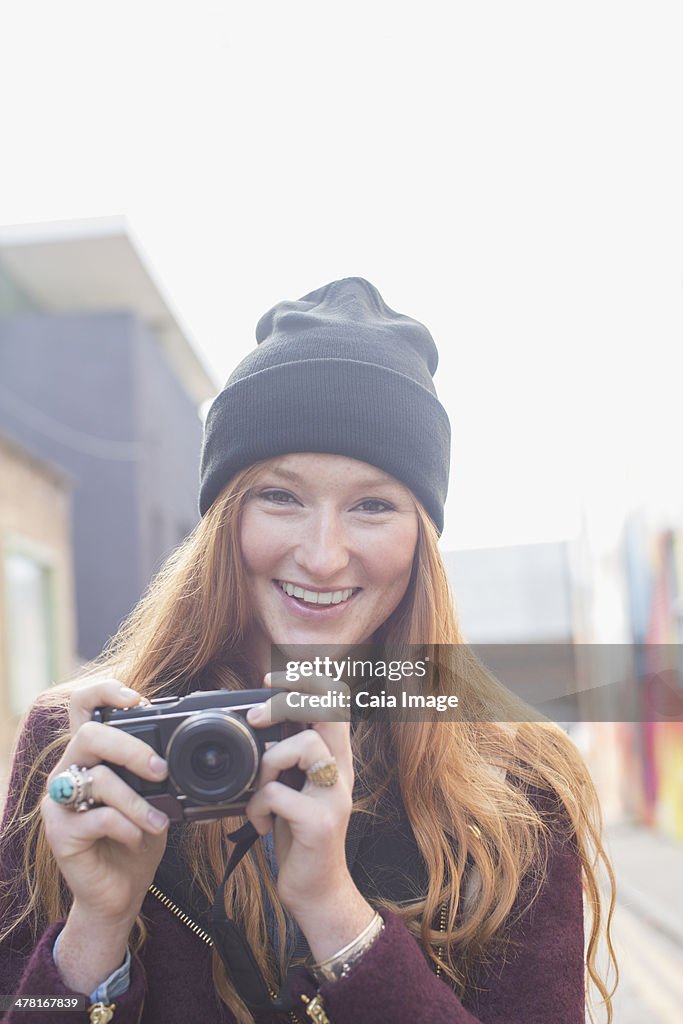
(213, 753)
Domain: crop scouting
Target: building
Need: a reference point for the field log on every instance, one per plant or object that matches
(515, 609)
(516, 594)
(99, 379)
(652, 751)
(533, 614)
(37, 621)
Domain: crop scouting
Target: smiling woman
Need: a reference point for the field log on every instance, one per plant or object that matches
(417, 871)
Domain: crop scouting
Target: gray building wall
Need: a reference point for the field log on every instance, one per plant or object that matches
(517, 594)
(93, 394)
(516, 611)
(168, 476)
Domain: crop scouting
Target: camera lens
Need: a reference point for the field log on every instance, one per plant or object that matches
(210, 760)
(212, 756)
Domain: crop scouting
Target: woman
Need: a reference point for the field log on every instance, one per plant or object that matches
(324, 474)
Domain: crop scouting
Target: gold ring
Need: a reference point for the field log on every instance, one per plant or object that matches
(323, 772)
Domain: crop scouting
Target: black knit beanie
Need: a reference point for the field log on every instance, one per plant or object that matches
(338, 372)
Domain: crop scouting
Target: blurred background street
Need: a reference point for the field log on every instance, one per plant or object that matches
(648, 926)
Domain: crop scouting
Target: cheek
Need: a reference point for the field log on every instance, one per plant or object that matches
(259, 547)
(393, 560)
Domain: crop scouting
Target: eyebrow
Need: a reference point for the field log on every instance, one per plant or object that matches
(367, 481)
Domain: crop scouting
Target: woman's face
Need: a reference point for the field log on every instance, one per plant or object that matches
(328, 545)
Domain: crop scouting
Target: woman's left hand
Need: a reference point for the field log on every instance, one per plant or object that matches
(309, 827)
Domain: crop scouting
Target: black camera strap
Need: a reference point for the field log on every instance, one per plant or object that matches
(233, 948)
(231, 945)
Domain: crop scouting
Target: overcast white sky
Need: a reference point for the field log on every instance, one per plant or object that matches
(509, 173)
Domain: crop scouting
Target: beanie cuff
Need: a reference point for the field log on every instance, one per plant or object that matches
(337, 406)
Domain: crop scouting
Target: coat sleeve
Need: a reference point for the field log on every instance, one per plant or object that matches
(540, 978)
(27, 966)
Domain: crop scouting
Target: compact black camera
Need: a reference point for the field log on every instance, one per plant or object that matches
(213, 753)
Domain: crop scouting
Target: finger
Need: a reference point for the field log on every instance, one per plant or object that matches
(109, 789)
(316, 818)
(295, 706)
(103, 693)
(69, 833)
(95, 742)
(302, 751)
(336, 734)
(314, 684)
(267, 802)
(337, 737)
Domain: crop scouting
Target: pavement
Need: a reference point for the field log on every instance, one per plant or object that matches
(647, 928)
(649, 872)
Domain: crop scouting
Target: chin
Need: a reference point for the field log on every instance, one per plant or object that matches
(332, 647)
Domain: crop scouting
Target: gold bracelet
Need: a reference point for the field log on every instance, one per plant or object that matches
(339, 964)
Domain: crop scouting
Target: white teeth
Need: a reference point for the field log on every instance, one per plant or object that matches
(310, 596)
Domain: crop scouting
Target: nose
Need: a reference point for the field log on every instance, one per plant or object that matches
(323, 550)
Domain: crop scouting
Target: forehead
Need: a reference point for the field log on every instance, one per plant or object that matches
(323, 468)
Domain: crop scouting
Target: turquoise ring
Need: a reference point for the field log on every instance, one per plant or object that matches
(72, 788)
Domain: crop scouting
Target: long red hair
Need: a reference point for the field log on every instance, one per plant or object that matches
(190, 628)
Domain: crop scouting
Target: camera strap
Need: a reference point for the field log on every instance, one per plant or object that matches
(233, 948)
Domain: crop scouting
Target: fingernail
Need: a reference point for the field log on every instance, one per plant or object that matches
(128, 694)
(253, 714)
(157, 818)
(268, 679)
(157, 764)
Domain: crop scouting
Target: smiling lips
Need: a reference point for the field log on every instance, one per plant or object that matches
(314, 597)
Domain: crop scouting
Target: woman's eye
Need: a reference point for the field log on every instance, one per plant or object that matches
(277, 497)
(377, 505)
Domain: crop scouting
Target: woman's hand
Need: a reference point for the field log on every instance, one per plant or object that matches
(309, 827)
(107, 855)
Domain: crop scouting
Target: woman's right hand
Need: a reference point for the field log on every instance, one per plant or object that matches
(107, 855)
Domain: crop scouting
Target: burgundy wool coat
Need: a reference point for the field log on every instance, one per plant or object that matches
(538, 980)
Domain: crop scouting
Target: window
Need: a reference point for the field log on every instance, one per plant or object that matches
(29, 625)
